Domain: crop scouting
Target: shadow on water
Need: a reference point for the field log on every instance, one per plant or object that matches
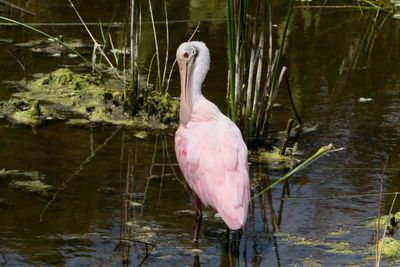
(115, 197)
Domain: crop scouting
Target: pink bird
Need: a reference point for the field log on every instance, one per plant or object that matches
(209, 146)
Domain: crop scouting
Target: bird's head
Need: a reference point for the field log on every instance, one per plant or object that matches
(194, 61)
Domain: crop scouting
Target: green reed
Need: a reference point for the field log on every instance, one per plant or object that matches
(255, 71)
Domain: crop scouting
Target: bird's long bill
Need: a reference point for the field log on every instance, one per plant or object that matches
(184, 70)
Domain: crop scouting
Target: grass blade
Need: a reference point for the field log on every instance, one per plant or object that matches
(46, 35)
(322, 151)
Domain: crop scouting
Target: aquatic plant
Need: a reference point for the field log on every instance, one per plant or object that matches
(386, 246)
(385, 5)
(133, 95)
(252, 85)
(50, 37)
(321, 151)
(139, 94)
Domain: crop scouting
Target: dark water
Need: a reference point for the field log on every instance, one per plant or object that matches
(335, 57)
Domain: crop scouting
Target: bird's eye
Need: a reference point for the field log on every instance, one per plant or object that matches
(193, 52)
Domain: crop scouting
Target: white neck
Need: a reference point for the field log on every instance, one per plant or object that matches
(195, 84)
(196, 77)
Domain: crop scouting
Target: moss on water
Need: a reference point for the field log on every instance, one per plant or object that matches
(17, 174)
(339, 248)
(389, 222)
(383, 220)
(30, 116)
(390, 244)
(311, 263)
(273, 158)
(339, 232)
(390, 248)
(35, 186)
(161, 105)
(342, 248)
(27, 181)
(81, 99)
(141, 135)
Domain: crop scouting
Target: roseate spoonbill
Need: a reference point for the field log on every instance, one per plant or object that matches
(209, 146)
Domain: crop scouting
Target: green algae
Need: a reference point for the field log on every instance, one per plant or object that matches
(390, 248)
(27, 181)
(67, 89)
(134, 204)
(161, 106)
(81, 99)
(30, 116)
(389, 244)
(382, 221)
(311, 263)
(339, 232)
(33, 175)
(34, 186)
(389, 222)
(141, 135)
(339, 248)
(342, 248)
(273, 158)
(145, 232)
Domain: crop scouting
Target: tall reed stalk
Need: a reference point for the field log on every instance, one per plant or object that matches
(254, 76)
(140, 92)
(133, 96)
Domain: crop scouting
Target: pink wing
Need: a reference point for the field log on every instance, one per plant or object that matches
(213, 158)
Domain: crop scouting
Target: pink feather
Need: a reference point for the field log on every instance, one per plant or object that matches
(209, 147)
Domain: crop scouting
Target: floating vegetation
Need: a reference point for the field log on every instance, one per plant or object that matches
(389, 245)
(134, 204)
(391, 222)
(35, 186)
(34, 175)
(280, 159)
(339, 232)
(80, 99)
(390, 248)
(27, 181)
(145, 232)
(342, 248)
(141, 135)
(52, 47)
(311, 263)
(273, 158)
(30, 116)
(364, 99)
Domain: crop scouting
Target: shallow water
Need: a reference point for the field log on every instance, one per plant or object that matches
(120, 194)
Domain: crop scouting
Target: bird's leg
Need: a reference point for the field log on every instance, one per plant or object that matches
(199, 217)
(228, 235)
(240, 232)
(196, 260)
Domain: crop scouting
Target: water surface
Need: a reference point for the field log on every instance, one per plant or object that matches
(122, 195)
